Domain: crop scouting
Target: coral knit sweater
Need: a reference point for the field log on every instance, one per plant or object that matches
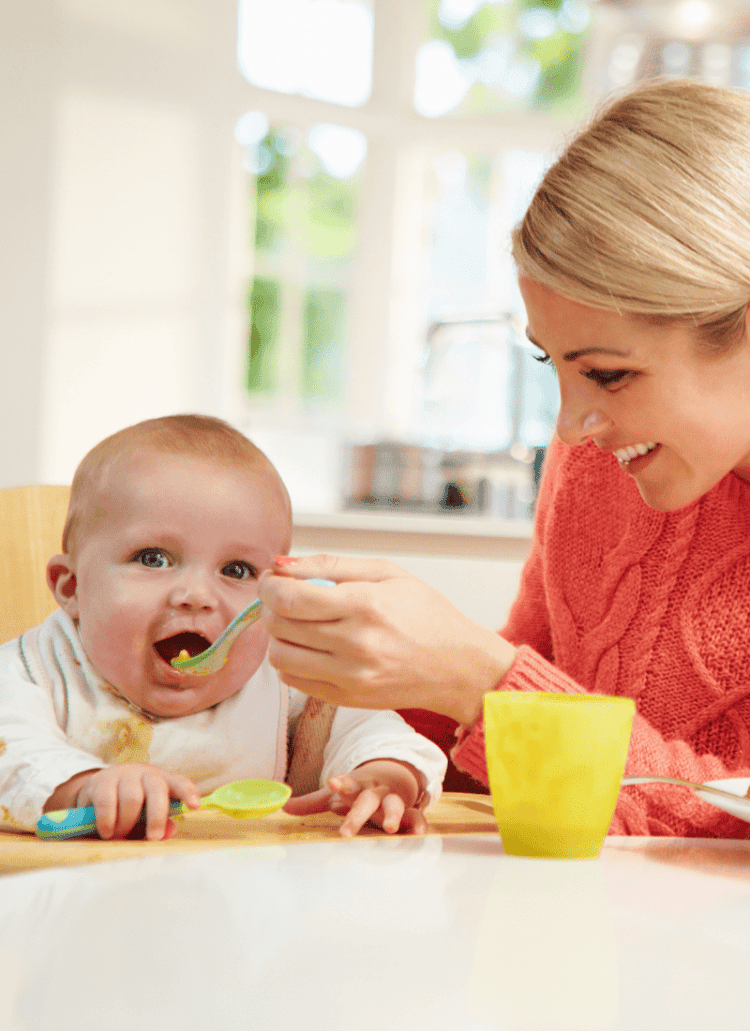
(617, 598)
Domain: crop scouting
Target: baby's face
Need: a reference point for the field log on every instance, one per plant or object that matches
(174, 555)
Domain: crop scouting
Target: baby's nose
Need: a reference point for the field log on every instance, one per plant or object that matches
(193, 592)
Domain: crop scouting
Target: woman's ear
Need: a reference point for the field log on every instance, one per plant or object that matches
(61, 579)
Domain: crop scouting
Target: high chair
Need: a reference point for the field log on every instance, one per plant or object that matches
(31, 525)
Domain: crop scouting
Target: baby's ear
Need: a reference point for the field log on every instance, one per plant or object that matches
(61, 579)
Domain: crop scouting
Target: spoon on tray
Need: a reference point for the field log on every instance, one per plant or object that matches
(737, 803)
(214, 657)
(242, 799)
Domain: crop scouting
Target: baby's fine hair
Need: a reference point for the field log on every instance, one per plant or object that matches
(199, 436)
(647, 210)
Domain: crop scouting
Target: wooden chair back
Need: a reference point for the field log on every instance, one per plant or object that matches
(31, 525)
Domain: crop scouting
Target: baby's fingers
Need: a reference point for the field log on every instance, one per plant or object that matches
(157, 807)
(345, 786)
(363, 808)
(159, 788)
(393, 811)
(104, 800)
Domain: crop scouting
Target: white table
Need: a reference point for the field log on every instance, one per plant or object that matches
(443, 933)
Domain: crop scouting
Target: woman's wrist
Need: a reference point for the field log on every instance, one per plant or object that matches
(485, 670)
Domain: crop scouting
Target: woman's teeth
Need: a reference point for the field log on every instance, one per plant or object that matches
(626, 454)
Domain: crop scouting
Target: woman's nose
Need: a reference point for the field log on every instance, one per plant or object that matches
(578, 425)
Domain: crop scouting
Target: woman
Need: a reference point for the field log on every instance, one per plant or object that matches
(634, 265)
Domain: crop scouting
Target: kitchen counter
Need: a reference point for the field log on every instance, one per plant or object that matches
(388, 531)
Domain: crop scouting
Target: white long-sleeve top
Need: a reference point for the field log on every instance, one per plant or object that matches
(58, 717)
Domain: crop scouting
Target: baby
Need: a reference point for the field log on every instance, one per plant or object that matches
(171, 522)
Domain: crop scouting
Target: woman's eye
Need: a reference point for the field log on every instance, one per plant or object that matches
(544, 359)
(152, 558)
(606, 377)
(240, 571)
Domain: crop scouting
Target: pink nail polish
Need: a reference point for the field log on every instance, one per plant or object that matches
(284, 560)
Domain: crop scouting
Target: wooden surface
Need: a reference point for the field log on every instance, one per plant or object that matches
(204, 829)
(31, 525)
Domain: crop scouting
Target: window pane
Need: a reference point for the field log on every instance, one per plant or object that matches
(460, 223)
(325, 312)
(484, 56)
(264, 329)
(482, 390)
(304, 220)
(317, 48)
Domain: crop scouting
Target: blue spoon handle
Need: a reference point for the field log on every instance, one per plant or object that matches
(78, 823)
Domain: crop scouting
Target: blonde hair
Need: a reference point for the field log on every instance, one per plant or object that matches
(647, 211)
(199, 436)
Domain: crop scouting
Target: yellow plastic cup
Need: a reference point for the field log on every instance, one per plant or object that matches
(555, 763)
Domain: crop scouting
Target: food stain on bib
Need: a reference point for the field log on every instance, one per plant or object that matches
(129, 740)
(8, 820)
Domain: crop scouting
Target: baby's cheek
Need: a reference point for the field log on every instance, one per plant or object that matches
(112, 645)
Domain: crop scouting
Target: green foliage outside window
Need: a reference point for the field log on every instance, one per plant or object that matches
(560, 56)
(305, 234)
(265, 295)
(325, 312)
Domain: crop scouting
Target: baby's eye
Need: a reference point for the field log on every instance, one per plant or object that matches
(239, 570)
(606, 377)
(152, 558)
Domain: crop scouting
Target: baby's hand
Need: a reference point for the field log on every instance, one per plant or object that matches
(382, 792)
(119, 793)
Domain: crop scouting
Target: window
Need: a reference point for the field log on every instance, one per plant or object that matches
(387, 151)
(303, 205)
(485, 58)
(316, 48)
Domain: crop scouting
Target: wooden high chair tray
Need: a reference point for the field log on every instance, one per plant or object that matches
(204, 829)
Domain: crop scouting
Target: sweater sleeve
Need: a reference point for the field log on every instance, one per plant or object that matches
(648, 809)
(651, 809)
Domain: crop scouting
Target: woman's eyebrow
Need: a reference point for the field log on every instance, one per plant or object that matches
(571, 356)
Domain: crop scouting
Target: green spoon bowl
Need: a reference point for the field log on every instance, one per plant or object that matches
(244, 799)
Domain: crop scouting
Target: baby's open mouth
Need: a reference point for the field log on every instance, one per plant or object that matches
(187, 641)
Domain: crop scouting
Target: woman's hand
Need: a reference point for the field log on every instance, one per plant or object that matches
(379, 639)
(382, 791)
(119, 794)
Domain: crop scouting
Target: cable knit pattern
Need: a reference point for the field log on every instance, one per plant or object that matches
(617, 598)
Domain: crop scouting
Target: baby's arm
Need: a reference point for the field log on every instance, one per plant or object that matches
(381, 791)
(119, 793)
(376, 764)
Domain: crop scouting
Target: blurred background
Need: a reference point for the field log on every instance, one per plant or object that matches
(294, 214)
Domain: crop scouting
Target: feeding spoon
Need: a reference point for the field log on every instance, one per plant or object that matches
(214, 657)
(730, 801)
(242, 799)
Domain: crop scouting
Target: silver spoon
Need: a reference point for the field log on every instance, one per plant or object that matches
(214, 657)
(729, 801)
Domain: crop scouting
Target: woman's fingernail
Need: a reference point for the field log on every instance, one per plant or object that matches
(283, 560)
